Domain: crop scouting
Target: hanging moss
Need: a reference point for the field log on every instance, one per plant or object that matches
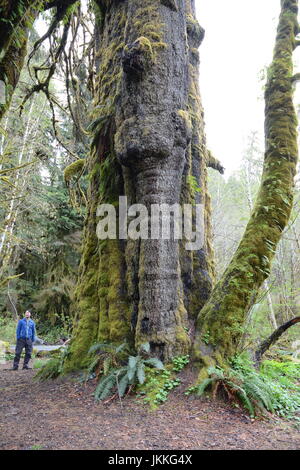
(73, 169)
(114, 325)
(10, 69)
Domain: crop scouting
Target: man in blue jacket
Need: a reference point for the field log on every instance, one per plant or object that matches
(25, 339)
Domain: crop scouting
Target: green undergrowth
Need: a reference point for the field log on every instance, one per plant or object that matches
(119, 376)
(8, 330)
(119, 372)
(49, 333)
(275, 388)
(39, 363)
(159, 383)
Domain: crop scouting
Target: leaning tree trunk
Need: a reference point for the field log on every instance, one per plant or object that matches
(220, 322)
(149, 145)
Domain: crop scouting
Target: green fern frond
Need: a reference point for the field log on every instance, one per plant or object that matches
(153, 361)
(100, 347)
(202, 387)
(121, 347)
(105, 386)
(145, 347)
(106, 365)
(122, 385)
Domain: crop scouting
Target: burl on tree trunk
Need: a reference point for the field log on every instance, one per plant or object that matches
(149, 145)
(220, 322)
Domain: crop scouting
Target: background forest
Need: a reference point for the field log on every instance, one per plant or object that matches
(40, 225)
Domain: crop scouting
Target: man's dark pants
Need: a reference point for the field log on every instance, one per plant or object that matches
(23, 343)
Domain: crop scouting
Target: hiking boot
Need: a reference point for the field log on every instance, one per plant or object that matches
(14, 368)
(26, 368)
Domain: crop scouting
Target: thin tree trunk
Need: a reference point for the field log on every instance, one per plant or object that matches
(272, 317)
(9, 219)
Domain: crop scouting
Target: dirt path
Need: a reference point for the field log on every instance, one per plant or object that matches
(63, 415)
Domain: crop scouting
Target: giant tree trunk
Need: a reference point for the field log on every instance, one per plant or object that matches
(220, 322)
(149, 145)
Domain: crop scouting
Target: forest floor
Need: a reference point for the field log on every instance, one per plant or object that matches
(62, 414)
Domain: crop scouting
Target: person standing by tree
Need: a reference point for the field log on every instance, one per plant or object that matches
(25, 338)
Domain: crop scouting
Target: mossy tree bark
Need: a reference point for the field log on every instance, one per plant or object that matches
(220, 322)
(16, 17)
(148, 144)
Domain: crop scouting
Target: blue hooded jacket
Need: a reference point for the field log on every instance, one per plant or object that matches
(26, 333)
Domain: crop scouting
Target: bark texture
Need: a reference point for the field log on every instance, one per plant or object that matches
(148, 144)
(220, 323)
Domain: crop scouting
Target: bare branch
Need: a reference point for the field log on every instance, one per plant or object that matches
(212, 162)
(265, 345)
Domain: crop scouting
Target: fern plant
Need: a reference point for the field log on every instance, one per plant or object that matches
(104, 357)
(247, 388)
(121, 378)
(257, 391)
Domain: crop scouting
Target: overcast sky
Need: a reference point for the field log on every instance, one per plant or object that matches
(238, 44)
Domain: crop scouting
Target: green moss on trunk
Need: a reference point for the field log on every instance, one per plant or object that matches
(101, 298)
(15, 20)
(220, 323)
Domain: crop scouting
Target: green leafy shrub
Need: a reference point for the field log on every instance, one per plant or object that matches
(159, 383)
(53, 334)
(52, 368)
(8, 328)
(285, 372)
(38, 363)
(179, 362)
(104, 357)
(256, 391)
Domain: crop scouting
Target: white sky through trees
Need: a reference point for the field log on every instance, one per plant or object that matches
(238, 45)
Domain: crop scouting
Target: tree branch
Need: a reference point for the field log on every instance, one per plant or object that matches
(295, 78)
(265, 345)
(212, 162)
